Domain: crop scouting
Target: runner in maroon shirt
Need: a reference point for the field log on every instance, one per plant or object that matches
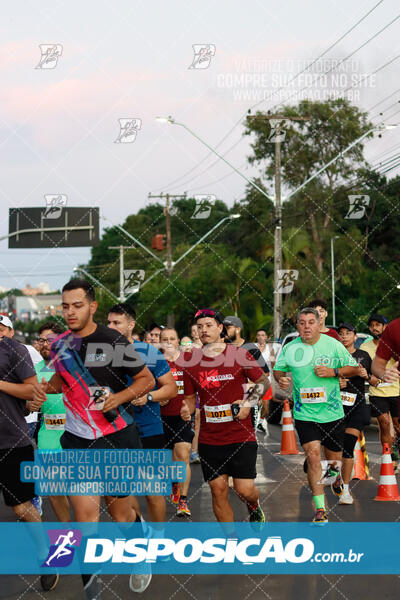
(227, 445)
(178, 433)
(321, 306)
(389, 347)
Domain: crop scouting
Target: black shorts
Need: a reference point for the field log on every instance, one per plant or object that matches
(357, 417)
(126, 438)
(14, 490)
(154, 442)
(329, 434)
(236, 460)
(380, 405)
(177, 430)
(120, 440)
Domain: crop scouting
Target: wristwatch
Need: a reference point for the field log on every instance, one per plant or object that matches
(336, 371)
(149, 398)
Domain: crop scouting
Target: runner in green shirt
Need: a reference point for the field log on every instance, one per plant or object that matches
(315, 362)
(52, 411)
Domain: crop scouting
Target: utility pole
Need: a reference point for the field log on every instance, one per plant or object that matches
(121, 269)
(277, 132)
(168, 237)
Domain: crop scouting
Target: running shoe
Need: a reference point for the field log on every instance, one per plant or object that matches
(320, 517)
(92, 586)
(37, 503)
(175, 493)
(194, 457)
(346, 498)
(337, 486)
(49, 582)
(257, 515)
(183, 509)
(262, 427)
(139, 582)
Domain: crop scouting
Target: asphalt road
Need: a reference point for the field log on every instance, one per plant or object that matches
(285, 497)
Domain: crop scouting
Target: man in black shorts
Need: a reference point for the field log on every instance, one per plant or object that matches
(219, 372)
(93, 363)
(356, 414)
(316, 361)
(384, 395)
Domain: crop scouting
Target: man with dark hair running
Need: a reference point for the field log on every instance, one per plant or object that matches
(84, 358)
(122, 318)
(321, 307)
(219, 372)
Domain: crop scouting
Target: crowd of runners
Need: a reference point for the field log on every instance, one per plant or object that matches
(89, 385)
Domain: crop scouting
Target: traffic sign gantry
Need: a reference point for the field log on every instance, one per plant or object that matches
(33, 227)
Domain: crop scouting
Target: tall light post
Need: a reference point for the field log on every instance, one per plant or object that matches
(336, 237)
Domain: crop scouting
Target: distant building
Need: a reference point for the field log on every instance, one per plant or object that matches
(41, 288)
(30, 308)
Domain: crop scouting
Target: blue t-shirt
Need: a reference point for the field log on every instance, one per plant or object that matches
(148, 417)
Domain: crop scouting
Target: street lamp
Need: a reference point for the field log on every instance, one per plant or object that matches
(336, 237)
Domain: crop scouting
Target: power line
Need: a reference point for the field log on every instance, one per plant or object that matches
(172, 183)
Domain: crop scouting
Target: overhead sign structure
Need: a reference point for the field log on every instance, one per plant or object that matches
(53, 227)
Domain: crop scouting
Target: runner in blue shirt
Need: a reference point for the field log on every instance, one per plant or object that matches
(122, 318)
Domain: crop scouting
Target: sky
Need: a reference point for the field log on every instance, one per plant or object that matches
(124, 59)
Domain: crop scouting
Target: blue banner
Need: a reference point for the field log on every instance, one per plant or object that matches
(201, 548)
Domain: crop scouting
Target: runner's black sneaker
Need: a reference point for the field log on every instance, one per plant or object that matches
(337, 486)
(49, 582)
(320, 517)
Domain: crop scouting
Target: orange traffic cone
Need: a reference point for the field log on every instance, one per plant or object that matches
(288, 442)
(359, 467)
(388, 489)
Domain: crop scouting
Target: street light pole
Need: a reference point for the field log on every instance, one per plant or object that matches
(121, 249)
(277, 235)
(336, 237)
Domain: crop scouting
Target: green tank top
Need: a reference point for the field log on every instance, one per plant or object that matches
(53, 413)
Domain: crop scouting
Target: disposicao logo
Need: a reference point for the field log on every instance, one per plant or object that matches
(190, 550)
(62, 547)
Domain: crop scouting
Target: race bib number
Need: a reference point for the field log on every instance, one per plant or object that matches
(54, 422)
(348, 399)
(313, 395)
(179, 382)
(218, 414)
(98, 397)
(384, 384)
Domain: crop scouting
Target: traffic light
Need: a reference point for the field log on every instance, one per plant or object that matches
(158, 241)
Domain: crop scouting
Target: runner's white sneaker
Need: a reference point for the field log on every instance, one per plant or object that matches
(346, 498)
(139, 582)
